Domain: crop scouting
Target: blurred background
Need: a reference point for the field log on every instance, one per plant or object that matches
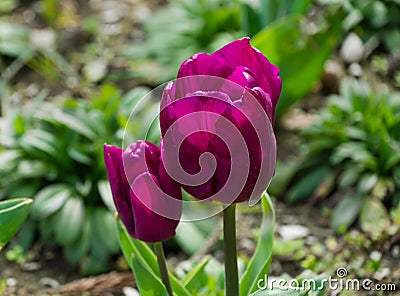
(71, 72)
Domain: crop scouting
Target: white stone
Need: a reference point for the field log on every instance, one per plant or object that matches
(291, 232)
(352, 50)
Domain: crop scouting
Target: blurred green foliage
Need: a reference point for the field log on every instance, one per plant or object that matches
(376, 19)
(281, 31)
(179, 30)
(354, 149)
(53, 152)
(299, 52)
(256, 15)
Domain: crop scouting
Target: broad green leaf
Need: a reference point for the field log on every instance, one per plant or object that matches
(22, 188)
(374, 218)
(299, 6)
(350, 175)
(251, 23)
(49, 200)
(13, 213)
(147, 281)
(129, 245)
(298, 53)
(79, 123)
(377, 14)
(69, 221)
(392, 40)
(260, 262)
(14, 39)
(94, 265)
(5, 7)
(306, 186)
(197, 237)
(283, 174)
(356, 151)
(75, 252)
(143, 253)
(8, 160)
(39, 140)
(79, 156)
(103, 226)
(367, 182)
(346, 212)
(197, 277)
(105, 193)
(269, 11)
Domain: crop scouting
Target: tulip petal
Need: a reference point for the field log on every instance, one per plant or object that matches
(147, 199)
(140, 157)
(241, 53)
(204, 64)
(119, 185)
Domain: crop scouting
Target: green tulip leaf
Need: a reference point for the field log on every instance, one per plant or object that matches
(147, 281)
(197, 278)
(259, 264)
(145, 255)
(13, 213)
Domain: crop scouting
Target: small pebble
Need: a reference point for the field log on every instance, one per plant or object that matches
(95, 70)
(44, 38)
(31, 266)
(128, 291)
(11, 282)
(375, 255)
(396, 252)
(247, 244)
(49, 282)
(290, 232)
(355, 70)
(111, 15)
(311, 240)
(352, 50)
(380, 275)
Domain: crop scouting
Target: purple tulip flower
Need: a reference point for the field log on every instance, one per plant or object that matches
(216, 121)
(148, 201)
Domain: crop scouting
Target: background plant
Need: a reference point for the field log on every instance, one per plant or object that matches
(281, 31)
(203, 26)
(355, 148)
(374, 19)
(53, 152)
(299, 51)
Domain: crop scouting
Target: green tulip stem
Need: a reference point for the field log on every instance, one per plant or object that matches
(231, 268)
(162, 266)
